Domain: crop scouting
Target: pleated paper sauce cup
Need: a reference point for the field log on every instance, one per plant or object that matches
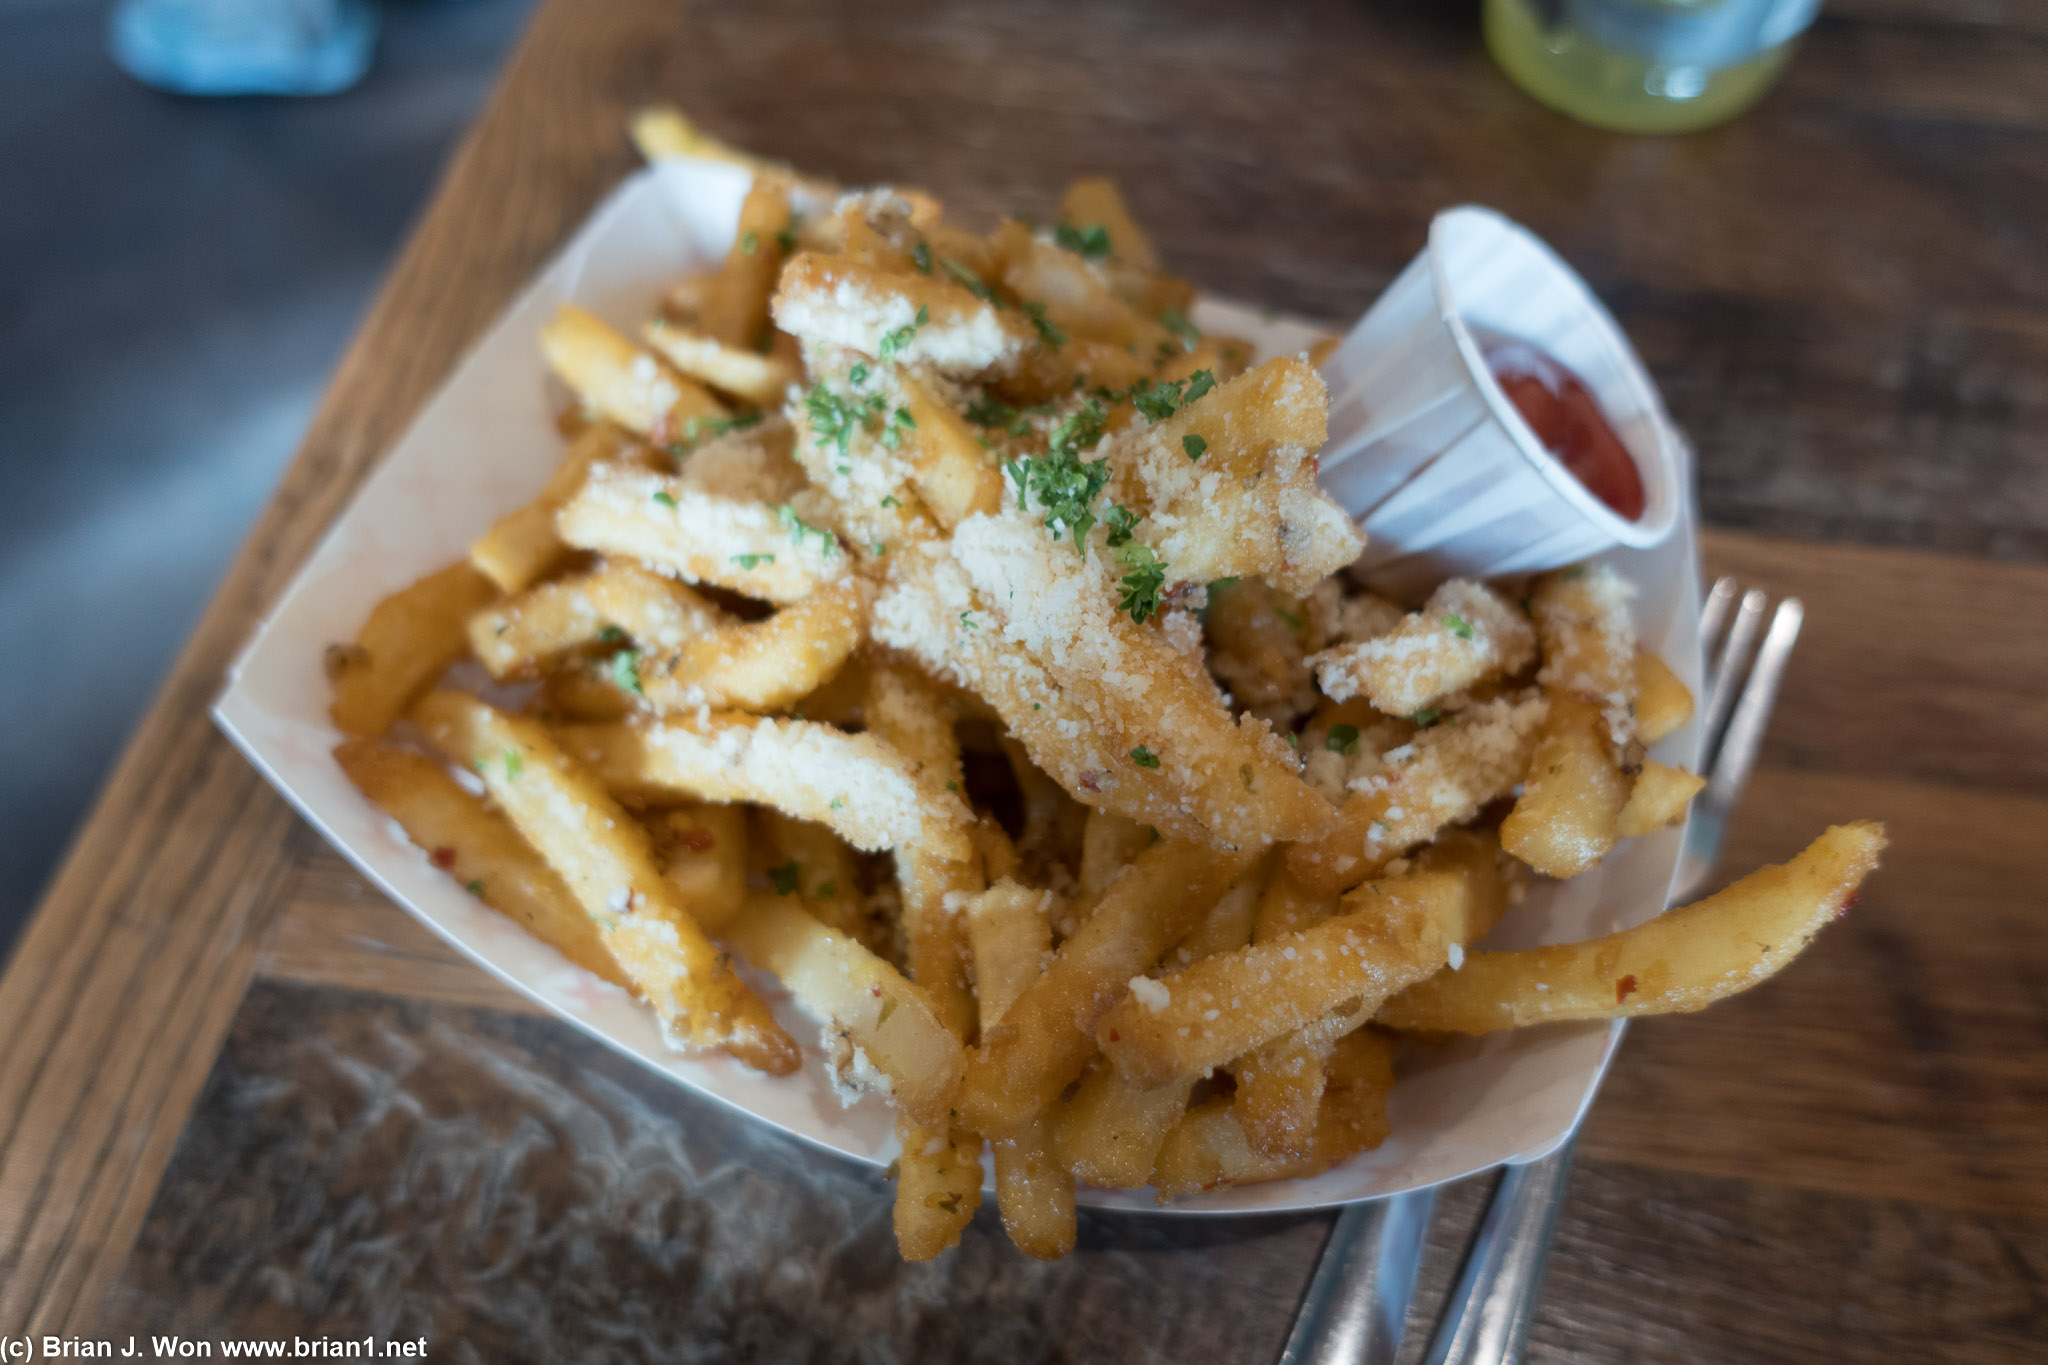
(1431, 457)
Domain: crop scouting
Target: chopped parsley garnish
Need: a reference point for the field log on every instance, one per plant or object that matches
(698, 430)
(987, 412)
(750, 244)
(783, 878)
(1426, 716)
(889, 500)
(1458, 626)
(826, 890)
(894, 342)
(665, 498)
(969, 281)
(967, 621)
(1051, 335)
(1090, 242)
(921, 257)
(1147, 570)
(1194, 445)
(752, 561)
(798, 528)
(624, 668)
(1381, 824)
(892, 434)
(514, 764)
(838, 803)
(1342, 739)
(834, 419)
(1293, 622)
(1064, 484)
(786, 239)
(611, 635)
(1199, 383)
(1176, 322)
(1144, 757)
(858, 375)
(879, 548)
(475, 886)
(1157, 399)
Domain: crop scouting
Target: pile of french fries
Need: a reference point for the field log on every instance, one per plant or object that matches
(941, 624)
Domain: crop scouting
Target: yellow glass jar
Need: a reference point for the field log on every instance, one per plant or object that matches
(1646, 66)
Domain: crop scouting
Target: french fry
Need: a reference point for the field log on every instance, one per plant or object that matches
(1589, 643)
(1224, 1006)
(1658, 799)
(1683, 960)
(583, 689)
(521, 547)
(841, 301)
(1235, 778)
(1568, 815)
(1049, 849)
(704, 852)
(1108, 844)
(858, 786)
(409, 640)
(1440, 777)
(474, 845)
(661, 132)
(699, 537)
(878, 1022)
(1248, 503)
(744, 373)
(735, 308)
(1662, 702)
(953, 474)
(1208, 1149)
(1257, 638)
(622, 382)
(907, 713)
(938, 1187)
(517, 636)
(808, 861)
(1011, 940)
(1047, 1035)
(1110, 1132)
(608, 863)
(1465, 634)
(1286, 905)
(1035, 1194)
(761, 665)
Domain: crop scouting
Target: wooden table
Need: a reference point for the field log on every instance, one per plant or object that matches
(240, 1094)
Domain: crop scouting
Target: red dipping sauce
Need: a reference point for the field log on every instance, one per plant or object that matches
(1563, 413)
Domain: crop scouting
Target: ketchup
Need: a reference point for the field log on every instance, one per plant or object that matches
(1563, 413)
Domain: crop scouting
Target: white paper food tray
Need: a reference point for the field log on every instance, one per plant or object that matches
(485, 443)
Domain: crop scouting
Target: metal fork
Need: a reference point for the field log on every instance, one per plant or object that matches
(1357, 1303)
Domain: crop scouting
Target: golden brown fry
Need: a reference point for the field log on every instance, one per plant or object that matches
(1208, 1149)
(1662, 702)
(1011, 940)
(1093, 201)
(608, 863)
(661, 520)
(517, 636)
(938, 1187)
(806, 860)
(704, 852)
(1110, 1132)
(1569, 812)
(954, 475)
(1035, 1194)
(477, 847)
(841, 301)
(761, 665)
(860, 787)
(877, 1022)
(907, 713)
(1046, 1037)
(1226, 1005)
(735, 307)
(410, 639)
(521, 547)
(1657, 800)
(1683, 960)
(1440, 777)
(745, 373)
(1465, 634)
(1588, 635)
(622, 382)
(1108, 845)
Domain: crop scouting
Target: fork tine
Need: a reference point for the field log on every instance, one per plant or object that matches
(1714, 618)
(1725, 675)
(1737, 754)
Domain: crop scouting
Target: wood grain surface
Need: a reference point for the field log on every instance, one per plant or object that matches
(1845, 297)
